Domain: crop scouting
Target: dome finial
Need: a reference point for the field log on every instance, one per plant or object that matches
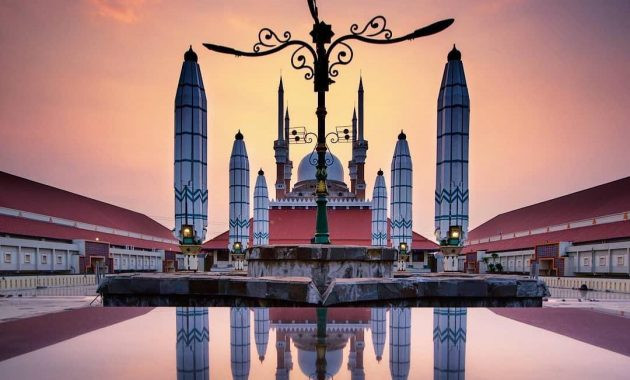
(454, 55)
(402, 135)
(380, 172)
(239, 135)
(190, 55)
(261, 172)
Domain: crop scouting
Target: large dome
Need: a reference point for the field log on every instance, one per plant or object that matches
(306, 171)
(307, 360)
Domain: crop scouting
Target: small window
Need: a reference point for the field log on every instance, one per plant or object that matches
(27, 258)
(59, 260)
(620, 260)
(7, 258)
(602, 261)
(586, 261)
(44, 259)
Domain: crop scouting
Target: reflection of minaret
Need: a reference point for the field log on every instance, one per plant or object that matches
(352, 165)
(239, 342)
(261, 331)
(192, 343)
(399, 342)
(401, 193)
(377, 321)
(284, 363)
(281, 147)
(451, 185)
(379, 211)
(261, 210)
(360, 148)
(191, 189)
(449, 343)
(355, 360)
(239, 194)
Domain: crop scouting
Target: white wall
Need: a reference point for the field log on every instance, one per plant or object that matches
(38, 255)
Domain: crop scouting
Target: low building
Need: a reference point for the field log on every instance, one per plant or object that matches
(44, 229)
(586, 233)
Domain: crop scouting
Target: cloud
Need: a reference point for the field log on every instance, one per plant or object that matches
(125, 11)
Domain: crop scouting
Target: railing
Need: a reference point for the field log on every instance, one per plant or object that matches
(33, 282)
(619, 285)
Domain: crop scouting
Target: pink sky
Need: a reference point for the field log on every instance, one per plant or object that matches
(87, 91)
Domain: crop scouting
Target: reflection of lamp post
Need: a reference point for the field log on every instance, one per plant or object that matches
(320, 346)
(317, 63)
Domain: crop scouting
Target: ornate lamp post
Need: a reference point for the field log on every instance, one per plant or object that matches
(317, 63)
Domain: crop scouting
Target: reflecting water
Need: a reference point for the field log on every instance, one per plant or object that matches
(319, 343)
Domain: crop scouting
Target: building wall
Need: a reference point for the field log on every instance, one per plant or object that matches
(599, 259)
(126, 259)
(21, 255)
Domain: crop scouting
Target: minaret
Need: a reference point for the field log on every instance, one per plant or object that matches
(399, 342)
(451, 183)
(288, 166)
(261, 331)
(281, 147)
(192, 343)
(449, 343)
(239, 198)
(379, 211)
(261, 210)
(401, 194)
(377, 325)
(360, 148)
(191, 189)
(239, 342)
(352, 165)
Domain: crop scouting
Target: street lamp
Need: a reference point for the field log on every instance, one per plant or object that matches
(316, 62)
(403, 256)
(239, 256)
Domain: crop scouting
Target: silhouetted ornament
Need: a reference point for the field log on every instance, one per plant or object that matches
(402, 136)
(380, 172)
(190, 55)
(239, 135)
(454, 55)
(261, 172)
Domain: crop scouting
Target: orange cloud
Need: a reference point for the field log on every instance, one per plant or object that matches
(125, 11)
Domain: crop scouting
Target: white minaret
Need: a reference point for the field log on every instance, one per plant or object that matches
(449, 343)
(192, 343)
(191, 183)
(379, 211)
(399, 342)
(401, 196)
(239, 342)
(261, 210)
(451, 183)
(377, 325)
(261, 331)
(239, 200)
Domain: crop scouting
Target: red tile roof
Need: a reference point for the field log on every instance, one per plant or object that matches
(609, 198)
(296, 226)
(26, 195)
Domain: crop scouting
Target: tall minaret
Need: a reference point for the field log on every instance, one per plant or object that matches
(377, 325)
(399, 342)
(352, 165)
(449, 343)
(191, 183)
(451, 182)
(379, 211)
(261, 210)
(239, 342)
(360, 148)
(281, 147)
(261, 330)
(239, 197)
(192, 343)
(288, 165)
(401, 194)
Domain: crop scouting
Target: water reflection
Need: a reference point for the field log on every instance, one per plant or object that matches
(320, 336)
(192, 343)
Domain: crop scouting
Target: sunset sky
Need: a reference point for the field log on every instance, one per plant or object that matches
(87, 91)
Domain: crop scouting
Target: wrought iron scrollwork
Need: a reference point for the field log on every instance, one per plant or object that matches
(269, 39)
(299, 135)
(299, 61)
(328, 158)
(375, 27)
(344, 56)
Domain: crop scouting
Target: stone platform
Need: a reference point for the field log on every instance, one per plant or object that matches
(435, 290)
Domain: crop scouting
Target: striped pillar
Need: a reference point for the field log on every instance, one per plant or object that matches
(191, 183)
(239, 196)
(261, 331)
(399, 342)
(449, 343)
(192, 343)
(379, 211)
(261, 210)
(451, 185)
(239, 342)
(377, 325)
